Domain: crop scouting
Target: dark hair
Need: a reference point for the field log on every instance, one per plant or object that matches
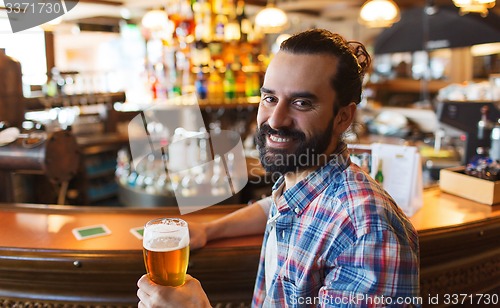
(353, 60)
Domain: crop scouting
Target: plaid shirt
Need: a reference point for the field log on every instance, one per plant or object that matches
(341, 242)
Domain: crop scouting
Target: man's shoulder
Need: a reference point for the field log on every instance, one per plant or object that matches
(367, 204)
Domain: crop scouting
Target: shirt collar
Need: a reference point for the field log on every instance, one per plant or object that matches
(298, 197)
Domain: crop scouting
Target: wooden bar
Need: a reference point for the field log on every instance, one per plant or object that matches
(42, 262)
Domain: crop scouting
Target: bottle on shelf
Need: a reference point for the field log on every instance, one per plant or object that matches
(244, 22)
(229, 85)
(203, 20)
(201, 85)
(252, 83)
(215, 86)
(176, 82)
(484, 126)
(186, 25)
(240, 79)
(220, 23)
(218, 6)
(122, 166)
(156, 88)
(495, 142)
(379, 176)
(232, 30)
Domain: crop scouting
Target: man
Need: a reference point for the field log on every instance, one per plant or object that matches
(334, 237)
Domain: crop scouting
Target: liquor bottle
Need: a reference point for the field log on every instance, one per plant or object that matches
(203, 20)
(186, 25)
(245, 23)
(484, 126)
(220, 24)
(228, 7)
(201, 84)
(379, 176)
(365, 162)
(122, 166)
(229, 84)
(240, 79)
(200, 54)
(218, 6)
(176, 89)
(215, 86)
(155, 84)
(252, 83)
(495, 142)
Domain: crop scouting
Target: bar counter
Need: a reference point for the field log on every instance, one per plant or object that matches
(43, 264)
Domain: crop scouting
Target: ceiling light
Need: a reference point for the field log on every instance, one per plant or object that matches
(379, 13)
(156, 20)
(271, 19)
(474, 6)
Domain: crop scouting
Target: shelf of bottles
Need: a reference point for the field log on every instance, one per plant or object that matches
(210, 48)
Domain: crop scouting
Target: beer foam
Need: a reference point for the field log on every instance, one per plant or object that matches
(165, 238)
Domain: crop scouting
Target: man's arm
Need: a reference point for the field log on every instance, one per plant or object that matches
(379, 265)
(245, 221)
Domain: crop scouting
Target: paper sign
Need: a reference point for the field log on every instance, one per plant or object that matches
(137, 232)
(402, 171)
(84, 233)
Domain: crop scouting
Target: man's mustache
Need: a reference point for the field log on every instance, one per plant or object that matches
(265, 129)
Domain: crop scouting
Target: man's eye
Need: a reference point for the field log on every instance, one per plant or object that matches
(302, 104)
(269, 99)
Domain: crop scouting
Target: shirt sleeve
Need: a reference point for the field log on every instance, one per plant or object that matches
(379, 270)
(265, 204)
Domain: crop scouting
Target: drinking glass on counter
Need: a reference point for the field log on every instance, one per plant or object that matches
(166, 250)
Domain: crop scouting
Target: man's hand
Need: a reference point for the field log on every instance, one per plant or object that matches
(197, 235)
(190, 294)
(245, 221)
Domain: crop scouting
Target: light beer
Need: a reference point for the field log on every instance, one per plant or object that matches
(166, 251)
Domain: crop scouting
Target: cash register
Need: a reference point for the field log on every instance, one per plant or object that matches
(469, 123)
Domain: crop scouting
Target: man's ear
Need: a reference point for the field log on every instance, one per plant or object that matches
(344, 117)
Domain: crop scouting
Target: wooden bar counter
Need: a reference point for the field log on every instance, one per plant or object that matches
(43, 265)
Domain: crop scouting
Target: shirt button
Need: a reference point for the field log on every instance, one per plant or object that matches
(296, 210)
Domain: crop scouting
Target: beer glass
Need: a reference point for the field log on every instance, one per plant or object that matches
(166, 250)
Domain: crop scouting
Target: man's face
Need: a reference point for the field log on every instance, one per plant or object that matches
(296, 112)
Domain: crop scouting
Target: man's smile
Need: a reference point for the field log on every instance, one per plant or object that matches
(279, 141)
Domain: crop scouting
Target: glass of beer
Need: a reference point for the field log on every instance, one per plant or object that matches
(166, 250)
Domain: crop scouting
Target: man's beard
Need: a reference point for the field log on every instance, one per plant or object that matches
(307, 153)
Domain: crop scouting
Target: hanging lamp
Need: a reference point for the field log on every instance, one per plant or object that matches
(271, 19)
(474, 6)
(379, 13)
(157, 20)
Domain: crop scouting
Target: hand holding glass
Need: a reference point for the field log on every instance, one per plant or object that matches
(166, 250)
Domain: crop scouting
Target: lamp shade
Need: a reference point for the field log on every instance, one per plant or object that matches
(271, 19)
(379, 13)
(156, 20)
(474, 6)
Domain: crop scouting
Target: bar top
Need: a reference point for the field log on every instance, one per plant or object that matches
(47, 227)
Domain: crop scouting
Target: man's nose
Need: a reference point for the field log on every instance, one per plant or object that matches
(280, 116)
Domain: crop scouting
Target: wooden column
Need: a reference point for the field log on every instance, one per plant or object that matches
(49, 50)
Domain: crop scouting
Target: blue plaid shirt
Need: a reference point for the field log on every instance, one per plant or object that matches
(341, 242)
